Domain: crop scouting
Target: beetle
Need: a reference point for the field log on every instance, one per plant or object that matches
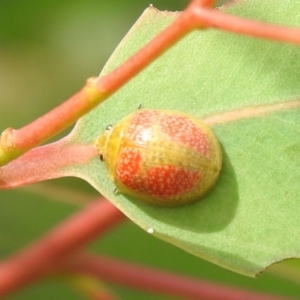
(162, 157)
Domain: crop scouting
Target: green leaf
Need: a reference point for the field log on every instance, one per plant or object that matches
(251, 87)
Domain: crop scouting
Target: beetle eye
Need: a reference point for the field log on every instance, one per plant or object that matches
(101, 157)
(108, 127)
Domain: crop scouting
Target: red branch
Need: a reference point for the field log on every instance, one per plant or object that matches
(46, 162)
(14, 143)
(197, 15)
(44, 255)
(218, 19)
(158, 281)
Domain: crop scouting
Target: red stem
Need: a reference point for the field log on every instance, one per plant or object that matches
(43, 163)
(157, 46)
(197, 15)
(60, 117)
(218, 19)
(42, 257)
(157, 281)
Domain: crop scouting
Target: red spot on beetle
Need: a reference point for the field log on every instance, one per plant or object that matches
(179, 128)
(139, 130)
(184, 131)
(128, 167)
(161, 181)
(169, 181)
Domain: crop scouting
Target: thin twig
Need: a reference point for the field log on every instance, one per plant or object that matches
(218, 19)
(198, 14)
(39, 259)
(147, 279)
(45, 162)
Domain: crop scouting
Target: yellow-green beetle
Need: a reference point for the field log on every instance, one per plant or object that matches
(162, 157)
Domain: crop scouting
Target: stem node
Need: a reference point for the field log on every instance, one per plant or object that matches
(7, 140)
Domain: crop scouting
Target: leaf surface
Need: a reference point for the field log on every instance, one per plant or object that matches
(248, 91)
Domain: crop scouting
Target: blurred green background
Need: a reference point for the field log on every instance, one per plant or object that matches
(47, 51)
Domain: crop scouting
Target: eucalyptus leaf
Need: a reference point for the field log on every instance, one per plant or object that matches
(251, 218)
